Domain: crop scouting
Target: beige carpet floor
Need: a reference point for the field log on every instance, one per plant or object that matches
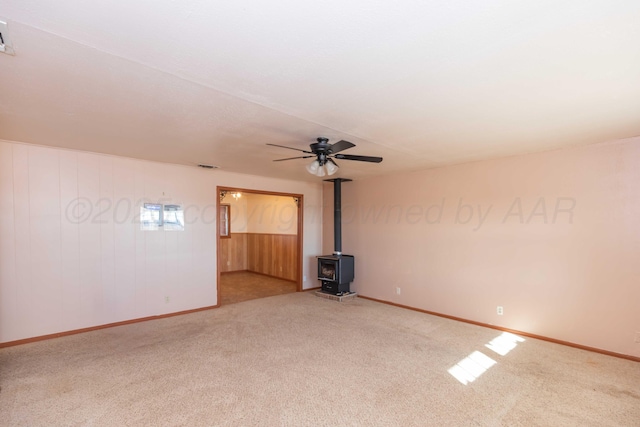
(300, 360)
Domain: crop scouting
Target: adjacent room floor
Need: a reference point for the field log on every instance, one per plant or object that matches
(245, 285)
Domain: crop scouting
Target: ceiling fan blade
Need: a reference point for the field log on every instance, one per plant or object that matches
(291, 158)
(290, 148)
(359, 158)
(341, 145)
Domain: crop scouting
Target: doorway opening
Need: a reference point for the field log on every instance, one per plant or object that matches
(259, 244)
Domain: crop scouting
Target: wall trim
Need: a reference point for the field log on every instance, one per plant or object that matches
(105, 326)
(513, 331)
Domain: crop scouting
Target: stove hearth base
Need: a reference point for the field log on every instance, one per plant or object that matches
(335, 288)
(340, 298)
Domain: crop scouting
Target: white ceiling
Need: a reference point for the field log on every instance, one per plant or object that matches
(421, 83)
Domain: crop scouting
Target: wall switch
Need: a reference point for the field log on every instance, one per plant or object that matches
(166, 300)
(304, 278)
(500, 310)
(398, 291)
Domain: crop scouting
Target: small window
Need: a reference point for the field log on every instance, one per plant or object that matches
(173, 218)
(150, 217)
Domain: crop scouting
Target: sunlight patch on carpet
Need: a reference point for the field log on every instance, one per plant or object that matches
(471, 367)
(504, 343)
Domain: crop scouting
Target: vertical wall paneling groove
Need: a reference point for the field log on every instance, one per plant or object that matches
(123, 218)
(107, 255)
(8, 261)
(91, 292)
(141, 307)
(70, 237)
(153, 247)
(45, 233)
(23, 241)
(173, 287)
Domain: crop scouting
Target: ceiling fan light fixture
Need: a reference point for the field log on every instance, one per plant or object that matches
(331, 167)
(313, 167)
(321, 171)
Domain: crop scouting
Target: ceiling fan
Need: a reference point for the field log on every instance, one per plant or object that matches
(325, 153)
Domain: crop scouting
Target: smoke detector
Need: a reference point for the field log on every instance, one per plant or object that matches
(5, 41)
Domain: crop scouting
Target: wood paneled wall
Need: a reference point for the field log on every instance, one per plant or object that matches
(273, 254)
(233, 253)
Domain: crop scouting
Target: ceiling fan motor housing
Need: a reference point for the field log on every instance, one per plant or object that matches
(322, 146)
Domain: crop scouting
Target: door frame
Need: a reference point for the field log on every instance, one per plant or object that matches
(300, 229)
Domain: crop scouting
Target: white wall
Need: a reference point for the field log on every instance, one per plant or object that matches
(271, 214)
(73, 256)
(552, 237)
(263, 213)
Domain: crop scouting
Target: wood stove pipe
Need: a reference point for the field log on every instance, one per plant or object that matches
(337, 214)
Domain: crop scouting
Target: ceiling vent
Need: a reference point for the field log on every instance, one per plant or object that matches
(207, 166)
(5, 41)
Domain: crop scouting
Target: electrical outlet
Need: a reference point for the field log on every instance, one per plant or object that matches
(638, 337)
(166, 300)
(398, 291)
(304, 278)
(500, 310)
(228, 263)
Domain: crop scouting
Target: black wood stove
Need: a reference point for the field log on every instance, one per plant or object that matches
(336, 272)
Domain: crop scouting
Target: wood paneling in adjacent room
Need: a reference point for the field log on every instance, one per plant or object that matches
(273, 254)
(233, 253)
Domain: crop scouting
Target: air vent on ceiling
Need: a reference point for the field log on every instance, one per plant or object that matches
(5, 41)
(207, 166)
